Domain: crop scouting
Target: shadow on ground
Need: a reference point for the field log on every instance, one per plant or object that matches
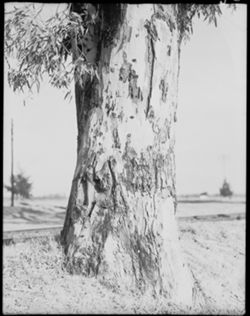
(33, 215)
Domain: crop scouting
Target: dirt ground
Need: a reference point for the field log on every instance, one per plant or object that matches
(215, 252)
(34, 282)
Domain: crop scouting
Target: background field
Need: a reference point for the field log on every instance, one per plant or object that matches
(43, 213)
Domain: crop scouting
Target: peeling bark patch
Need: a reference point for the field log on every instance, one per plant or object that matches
(137, 173)
(169, 50)
(151, 115)
(116, 138)
(147, 173)
(164, 90)
(127, 73)
(152, 36)
(125, 69)
(124, 72)
(120, 116)
(86, 254)
(126, 35)
(160, 176)
(110, 104)
(91, 208)
(85, 189)
(127, 32)
(135, 92)
(77, 213)
(114, 193)
(152, 32)
(143, 250)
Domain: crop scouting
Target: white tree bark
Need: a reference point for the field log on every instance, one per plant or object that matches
(120, 222)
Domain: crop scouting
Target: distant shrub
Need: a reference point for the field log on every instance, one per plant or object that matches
(21, 186)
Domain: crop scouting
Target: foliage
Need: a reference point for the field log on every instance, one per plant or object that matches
(42, 46)
(21, 186)
(187, 11)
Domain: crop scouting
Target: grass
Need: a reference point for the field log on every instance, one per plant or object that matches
(35, 280)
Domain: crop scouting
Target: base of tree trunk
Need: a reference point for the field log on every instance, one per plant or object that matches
(139, 250)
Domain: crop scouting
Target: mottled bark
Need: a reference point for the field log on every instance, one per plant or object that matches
(120, 222)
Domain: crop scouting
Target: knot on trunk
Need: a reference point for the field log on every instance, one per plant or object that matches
(102, 178)
(78, 213)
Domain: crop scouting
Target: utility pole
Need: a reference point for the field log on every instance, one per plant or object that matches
(12, 165)
(223, 158)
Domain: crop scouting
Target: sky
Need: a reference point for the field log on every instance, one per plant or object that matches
(212, 107)
(211, 126)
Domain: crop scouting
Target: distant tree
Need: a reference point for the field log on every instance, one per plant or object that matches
(226, 190)
(21, 186)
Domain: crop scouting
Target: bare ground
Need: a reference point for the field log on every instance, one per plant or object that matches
(215, 252)
(34, 281)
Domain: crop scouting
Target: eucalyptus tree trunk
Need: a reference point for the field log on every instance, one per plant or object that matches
(120, 222)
